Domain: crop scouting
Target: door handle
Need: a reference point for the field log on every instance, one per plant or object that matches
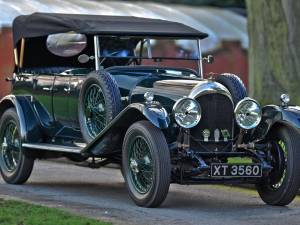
(67, 89)
(47, 89)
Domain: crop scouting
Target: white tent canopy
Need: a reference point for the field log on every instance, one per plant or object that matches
(220, 24)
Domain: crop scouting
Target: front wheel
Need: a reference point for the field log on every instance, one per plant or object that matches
(146, 164)
(15, 164)
(282, 184)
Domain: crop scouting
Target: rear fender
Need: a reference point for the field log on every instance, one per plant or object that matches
(273, 115)
(30, 129)
(111, 138)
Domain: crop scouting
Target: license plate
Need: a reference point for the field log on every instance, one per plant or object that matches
(235, 170)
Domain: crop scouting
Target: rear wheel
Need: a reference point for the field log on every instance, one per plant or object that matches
(146, 164)
(15, 164)
(281, 186)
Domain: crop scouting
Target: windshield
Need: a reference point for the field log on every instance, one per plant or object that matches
(149, 48)
(168, 52)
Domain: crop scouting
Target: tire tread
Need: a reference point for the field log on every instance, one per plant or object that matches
(234, 84)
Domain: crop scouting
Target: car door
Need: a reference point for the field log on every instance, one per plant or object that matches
(75, 86)
(61, 99)
(43, 93)
(65, 105)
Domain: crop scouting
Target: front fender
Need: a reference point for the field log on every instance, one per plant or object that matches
(155, 113)
(272, 115)
(29, 125)
(111, 137)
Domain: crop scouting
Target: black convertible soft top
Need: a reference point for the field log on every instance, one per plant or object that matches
(42, 24)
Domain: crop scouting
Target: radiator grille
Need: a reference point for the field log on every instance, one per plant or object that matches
(217, 113)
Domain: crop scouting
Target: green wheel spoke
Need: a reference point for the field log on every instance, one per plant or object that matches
(141, 165)
(10, 151)
(279, 182)
(95, 114)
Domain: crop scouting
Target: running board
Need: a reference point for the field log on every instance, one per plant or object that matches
(51, 147)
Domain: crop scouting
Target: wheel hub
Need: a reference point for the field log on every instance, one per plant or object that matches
(4, 146)
(134, 166)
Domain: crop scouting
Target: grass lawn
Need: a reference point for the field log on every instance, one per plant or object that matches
(20, 213)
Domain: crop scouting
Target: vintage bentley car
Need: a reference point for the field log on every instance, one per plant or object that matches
(109, 89)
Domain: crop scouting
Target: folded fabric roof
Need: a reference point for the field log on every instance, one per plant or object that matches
(42, 24)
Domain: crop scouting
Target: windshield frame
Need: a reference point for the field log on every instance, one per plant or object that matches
(146, 40)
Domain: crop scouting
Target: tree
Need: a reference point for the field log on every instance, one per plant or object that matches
(274, 53)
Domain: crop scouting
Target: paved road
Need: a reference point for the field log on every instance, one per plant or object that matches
(102, 194)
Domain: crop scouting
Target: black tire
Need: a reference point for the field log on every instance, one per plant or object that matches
(112, 97)
(277, 189)
(24, 165)
(161, 164)
(234, 84)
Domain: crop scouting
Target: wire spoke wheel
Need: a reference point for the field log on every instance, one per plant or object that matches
(281, 185)
(141, 165)
(10, 153)
(94, 110)
(146, 164)
(99, 103)
(280, 164)
(15, 165)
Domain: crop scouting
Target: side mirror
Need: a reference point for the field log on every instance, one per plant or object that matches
(83, 58)
(209, 59)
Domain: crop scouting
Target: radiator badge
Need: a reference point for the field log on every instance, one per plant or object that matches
(217, 135)
(206, 134)
(225, 134)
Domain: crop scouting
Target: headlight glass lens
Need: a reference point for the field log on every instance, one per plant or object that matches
(187, 112)
(247, 113)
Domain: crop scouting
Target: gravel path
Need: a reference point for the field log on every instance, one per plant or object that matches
(102, 194)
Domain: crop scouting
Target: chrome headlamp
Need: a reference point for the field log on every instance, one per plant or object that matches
(187, 112)
(247, 113)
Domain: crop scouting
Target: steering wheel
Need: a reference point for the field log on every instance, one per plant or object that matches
(112, 54)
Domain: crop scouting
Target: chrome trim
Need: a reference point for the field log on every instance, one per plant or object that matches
(182, 99)
(51, 147)
(209, 87)
(285, 100)
(238, 105)
(97, 52)
(200, 63)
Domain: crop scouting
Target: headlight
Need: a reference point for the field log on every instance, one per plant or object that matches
(187, 112)
(247, 113)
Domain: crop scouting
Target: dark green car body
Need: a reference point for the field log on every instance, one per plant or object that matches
(46, 90)
(49, 103)
(52, 99)
(100, 90)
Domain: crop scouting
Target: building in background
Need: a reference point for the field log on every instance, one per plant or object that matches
(227, 41)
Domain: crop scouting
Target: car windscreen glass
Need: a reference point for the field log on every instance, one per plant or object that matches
(146, 48)
(168, 48)
(66, 44)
